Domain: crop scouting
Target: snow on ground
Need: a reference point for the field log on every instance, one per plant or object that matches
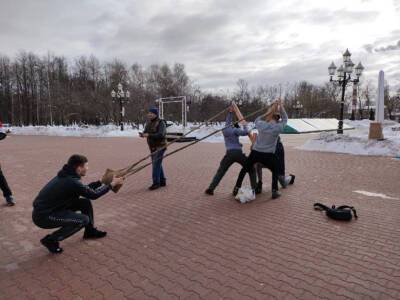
(114, 131)
(379, 195)
(77, 131)
(351, 142)
(357, 142)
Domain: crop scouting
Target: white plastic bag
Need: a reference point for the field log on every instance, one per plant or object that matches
(245, 195)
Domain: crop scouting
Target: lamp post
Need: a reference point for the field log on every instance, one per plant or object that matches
(298, 106)
(343, 78)
(121, 96)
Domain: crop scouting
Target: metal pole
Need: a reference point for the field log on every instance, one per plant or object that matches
(354, 102)
(183, 117)
(344, 82)
(38, 101)
(48, 91)
(121, 112)
(186, 107)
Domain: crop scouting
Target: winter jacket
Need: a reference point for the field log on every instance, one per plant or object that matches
(62, 190)
(157, 131)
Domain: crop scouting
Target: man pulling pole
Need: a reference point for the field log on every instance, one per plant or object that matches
(234, 152)
(57, 204)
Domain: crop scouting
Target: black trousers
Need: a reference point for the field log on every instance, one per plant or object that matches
(231, 157)
(269, 160)
(4, 185)
(280, 155)
(69, 220)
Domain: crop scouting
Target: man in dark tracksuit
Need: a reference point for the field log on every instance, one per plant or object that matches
(155, 131)
(56, 204)
(6, 190)
(234, 153)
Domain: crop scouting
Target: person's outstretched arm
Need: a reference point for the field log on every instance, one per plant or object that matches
(280, 126)
(92, 193)
(229, 118)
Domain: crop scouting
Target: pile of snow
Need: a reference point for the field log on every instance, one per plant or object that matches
(77, 131)
(357, 142)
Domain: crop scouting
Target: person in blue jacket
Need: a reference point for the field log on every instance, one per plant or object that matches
(234, 152)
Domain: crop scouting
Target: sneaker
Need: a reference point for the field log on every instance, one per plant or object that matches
(275, 194)
(154, 187)
(51, 245)
(235, 191)
(292, 179)
(209, 192)
(10, 200)
(283, 182)
(258, 189)
(93, 233)
(163, 183)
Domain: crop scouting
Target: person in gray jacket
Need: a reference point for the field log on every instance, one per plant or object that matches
(264, 148)
(234, 152)
(283, 179)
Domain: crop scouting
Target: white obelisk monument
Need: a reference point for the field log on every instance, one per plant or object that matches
(375, 128)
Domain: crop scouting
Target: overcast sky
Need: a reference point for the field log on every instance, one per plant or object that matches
(261, 41)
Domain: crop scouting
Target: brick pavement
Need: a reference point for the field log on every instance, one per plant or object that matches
(177, 243)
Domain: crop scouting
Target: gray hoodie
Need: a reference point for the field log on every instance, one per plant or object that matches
(268, 133)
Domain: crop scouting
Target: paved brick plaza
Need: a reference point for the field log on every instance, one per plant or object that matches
(177, 242)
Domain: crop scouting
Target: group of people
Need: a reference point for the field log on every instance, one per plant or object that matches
(58, 202)
(267, 151)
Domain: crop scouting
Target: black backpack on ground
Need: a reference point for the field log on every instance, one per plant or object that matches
(341, 213)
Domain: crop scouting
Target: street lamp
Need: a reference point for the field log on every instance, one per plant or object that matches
(298, 106)
(122, 97)
(343, 78)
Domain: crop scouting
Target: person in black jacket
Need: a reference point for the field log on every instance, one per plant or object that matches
(155, 131)
(6, 190)
(56, 204)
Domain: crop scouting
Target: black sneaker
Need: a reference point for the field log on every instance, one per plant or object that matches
(235, 191)
(51, 245)
(93, 233)
(292, 179)
(275, 194)
(163, 183)
(258, 189)
(10, 200)
(154, 187)
(209, 192)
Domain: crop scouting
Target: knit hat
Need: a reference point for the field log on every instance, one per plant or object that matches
(154, 110)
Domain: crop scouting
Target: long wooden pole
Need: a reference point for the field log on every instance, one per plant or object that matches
(107, 177)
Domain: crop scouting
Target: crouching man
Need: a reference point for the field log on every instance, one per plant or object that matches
(57, 204)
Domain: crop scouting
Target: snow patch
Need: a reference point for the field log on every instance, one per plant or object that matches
(357, 142)
(77, 131)
(369, 194)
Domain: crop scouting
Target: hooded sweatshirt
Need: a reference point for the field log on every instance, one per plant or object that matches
(268, 133)
(60, 192)
(231, 134)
